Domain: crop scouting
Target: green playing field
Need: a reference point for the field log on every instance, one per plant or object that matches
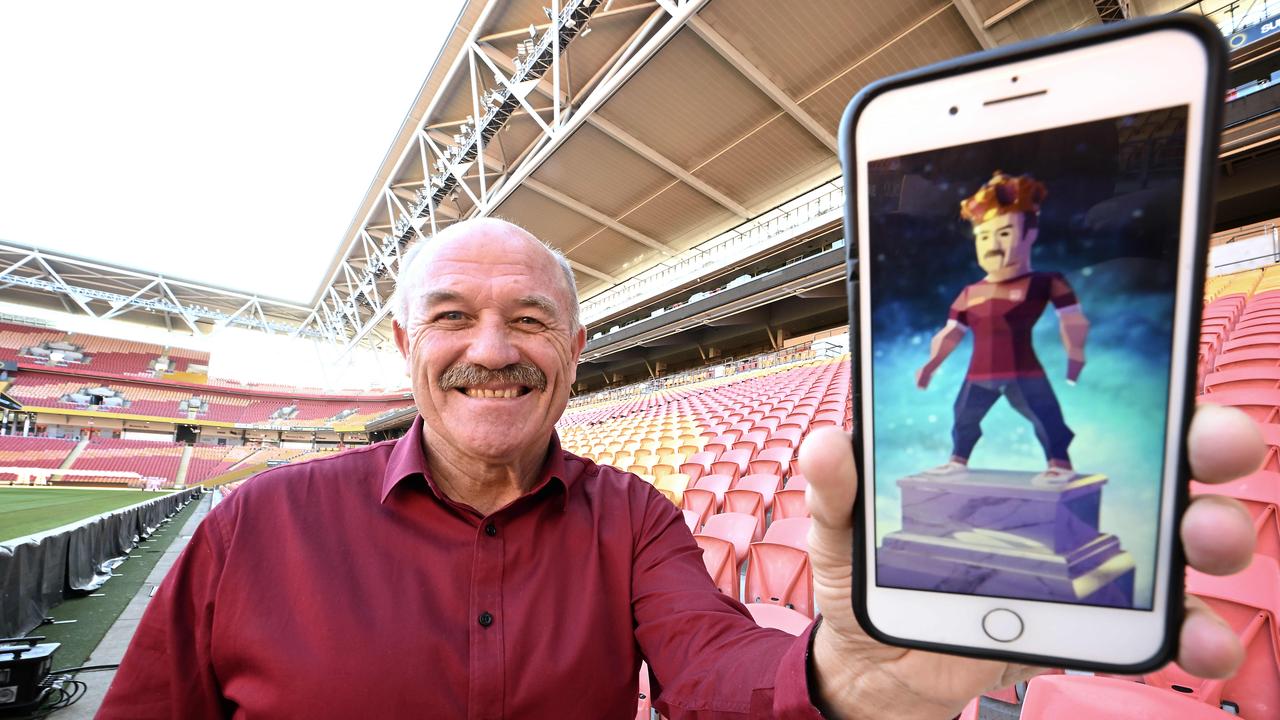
(28, 510)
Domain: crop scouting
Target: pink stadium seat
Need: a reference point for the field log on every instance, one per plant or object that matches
(1261, 326)
(1247, 378)
(798, 420)
(767, 424)
(644, 706)
(691, 518)
(792, 532)
(764, 483)
(698, 464)
(717, 485)
(1261, 405)
(1266, 340)
(720, 558)
(773, 460)
(797, 481)
(700, 504)
(733, 463)
(734, 528)
(1250, 602)
(753, 441)
(778, 569)
(719, 445)
(780, 575)
(785, 437)
(747, 502)
(1246, 358)
(1075, 697)
(789, 503)
(768, 615)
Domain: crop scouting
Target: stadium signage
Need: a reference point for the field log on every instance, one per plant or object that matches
(1252, 34)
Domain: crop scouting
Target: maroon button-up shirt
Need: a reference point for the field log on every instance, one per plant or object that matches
(352, 587)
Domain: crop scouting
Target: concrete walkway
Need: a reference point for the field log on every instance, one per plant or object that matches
(116, 641)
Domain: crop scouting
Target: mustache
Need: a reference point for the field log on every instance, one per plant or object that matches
(464, 375)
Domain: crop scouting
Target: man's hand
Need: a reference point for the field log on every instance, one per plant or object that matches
(860, 678)
(923, 376)
(1073, 370)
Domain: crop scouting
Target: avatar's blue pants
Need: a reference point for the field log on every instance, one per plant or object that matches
(1031, 396)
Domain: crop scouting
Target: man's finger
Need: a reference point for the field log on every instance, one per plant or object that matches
(1208, 647)
(1224, 444)
(1218, 535)
(826, 460)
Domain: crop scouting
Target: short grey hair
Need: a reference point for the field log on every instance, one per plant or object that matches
(408, 277)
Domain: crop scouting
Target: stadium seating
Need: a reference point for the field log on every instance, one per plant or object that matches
(644, 707)
(778, 570)
(736, 438)
(145, 457)
(1073, 697)
(776, 616)
(1250, 602)
(210, 460)
(32, 452)
(135, 397)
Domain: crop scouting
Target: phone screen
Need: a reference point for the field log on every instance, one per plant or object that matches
(1022, 296)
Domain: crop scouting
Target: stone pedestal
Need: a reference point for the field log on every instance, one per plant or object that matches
(995, 532)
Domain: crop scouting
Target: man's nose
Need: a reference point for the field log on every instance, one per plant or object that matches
(491, 346)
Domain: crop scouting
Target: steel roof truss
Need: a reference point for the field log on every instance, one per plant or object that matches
(726, 50)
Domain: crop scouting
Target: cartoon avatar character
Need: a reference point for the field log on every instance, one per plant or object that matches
(1001, 310)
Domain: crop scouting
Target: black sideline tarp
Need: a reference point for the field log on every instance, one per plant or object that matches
(39, 571)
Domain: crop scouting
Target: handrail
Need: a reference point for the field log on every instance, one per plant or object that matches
(770, 229)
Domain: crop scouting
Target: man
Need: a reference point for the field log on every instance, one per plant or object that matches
(1002, 309)
(474, 569)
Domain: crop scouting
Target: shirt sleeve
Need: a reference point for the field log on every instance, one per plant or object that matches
(959, 309)
(167, 671)
(1060, 292)
(708, 658)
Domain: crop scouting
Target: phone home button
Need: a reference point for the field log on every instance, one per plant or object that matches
(1002, 625)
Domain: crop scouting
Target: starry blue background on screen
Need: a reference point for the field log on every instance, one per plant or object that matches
(1110, 225)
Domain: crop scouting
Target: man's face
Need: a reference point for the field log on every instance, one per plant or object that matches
(491, 346)
(1003, 244)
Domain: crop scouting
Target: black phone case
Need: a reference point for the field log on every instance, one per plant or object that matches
(1215, 51)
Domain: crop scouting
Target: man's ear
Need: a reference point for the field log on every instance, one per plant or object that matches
(579, 342)
(402, 339)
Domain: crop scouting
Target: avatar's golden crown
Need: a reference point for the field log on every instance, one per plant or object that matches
(1003, 195)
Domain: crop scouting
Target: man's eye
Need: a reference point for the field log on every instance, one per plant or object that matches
(526, 320)
(450, 316)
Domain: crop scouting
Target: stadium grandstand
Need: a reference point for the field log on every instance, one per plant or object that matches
(682, 155)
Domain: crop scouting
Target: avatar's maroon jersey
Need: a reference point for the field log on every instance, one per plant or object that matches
(1001, 315)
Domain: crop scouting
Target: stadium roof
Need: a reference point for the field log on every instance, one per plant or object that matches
(625, 132)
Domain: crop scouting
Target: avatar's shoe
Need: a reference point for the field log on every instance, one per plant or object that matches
(1054, 476)
(950, 467)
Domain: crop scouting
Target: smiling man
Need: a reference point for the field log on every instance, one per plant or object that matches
(1002, 310)
(476, 569)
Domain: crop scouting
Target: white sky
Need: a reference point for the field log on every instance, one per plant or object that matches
(228, 143)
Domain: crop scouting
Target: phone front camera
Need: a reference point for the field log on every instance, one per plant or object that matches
(1013, 79)
(954, 110)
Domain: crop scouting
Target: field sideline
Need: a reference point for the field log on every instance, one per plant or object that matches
(24, 511)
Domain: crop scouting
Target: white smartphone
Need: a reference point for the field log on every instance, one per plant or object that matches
(1027, 234)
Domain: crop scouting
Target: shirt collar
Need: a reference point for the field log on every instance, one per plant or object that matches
(409, 459)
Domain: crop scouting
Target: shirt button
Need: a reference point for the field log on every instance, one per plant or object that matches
(485, 619)
(490, 529)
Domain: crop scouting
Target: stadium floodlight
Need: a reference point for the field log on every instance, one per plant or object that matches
(547, 11)
(533, 30)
